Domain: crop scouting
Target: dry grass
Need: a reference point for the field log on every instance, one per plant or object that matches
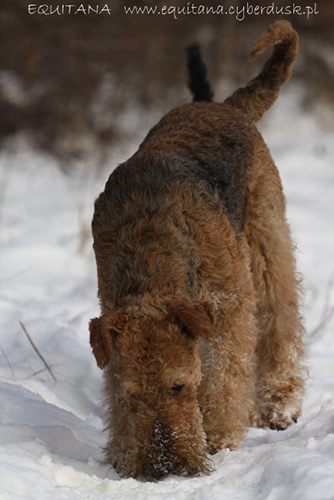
(47, 366)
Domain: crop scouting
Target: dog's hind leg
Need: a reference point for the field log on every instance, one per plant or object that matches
(279, 382)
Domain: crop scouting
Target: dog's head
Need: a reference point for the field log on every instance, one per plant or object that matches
(155, 352)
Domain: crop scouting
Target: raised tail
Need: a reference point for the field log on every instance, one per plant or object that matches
(261, 92)
(198, 83)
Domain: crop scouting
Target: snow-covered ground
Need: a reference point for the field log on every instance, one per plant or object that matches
(51, 431)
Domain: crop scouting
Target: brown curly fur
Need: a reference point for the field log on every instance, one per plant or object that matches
(200, 331)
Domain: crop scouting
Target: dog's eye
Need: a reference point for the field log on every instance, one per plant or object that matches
(187, 331)
(176, 388)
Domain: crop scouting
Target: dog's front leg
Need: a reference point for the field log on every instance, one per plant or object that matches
(226, 393)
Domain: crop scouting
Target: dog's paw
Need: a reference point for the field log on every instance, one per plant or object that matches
(281, 420)
(281, 407)
(279, 415)
(216, 444)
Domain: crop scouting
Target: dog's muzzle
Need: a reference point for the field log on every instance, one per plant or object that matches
(160, 460)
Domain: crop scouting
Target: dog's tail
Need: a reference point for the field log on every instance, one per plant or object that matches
(261, 92)
(198, 83)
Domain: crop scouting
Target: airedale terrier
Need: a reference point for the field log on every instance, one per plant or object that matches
(196, 278)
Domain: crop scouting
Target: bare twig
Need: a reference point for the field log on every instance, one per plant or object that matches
(322, 323)
(8, 363)
(327, 311)
(312, 295)
(328, 289)
(39, 371)
(37, 351)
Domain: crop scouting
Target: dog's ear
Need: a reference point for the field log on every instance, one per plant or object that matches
(103, 332)
(194, 317)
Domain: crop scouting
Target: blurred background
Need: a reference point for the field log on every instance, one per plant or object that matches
(75, 86)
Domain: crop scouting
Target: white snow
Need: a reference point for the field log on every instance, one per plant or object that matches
(51, 433)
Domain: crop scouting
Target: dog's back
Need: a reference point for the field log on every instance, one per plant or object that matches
(208, 145)
(195, 144)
